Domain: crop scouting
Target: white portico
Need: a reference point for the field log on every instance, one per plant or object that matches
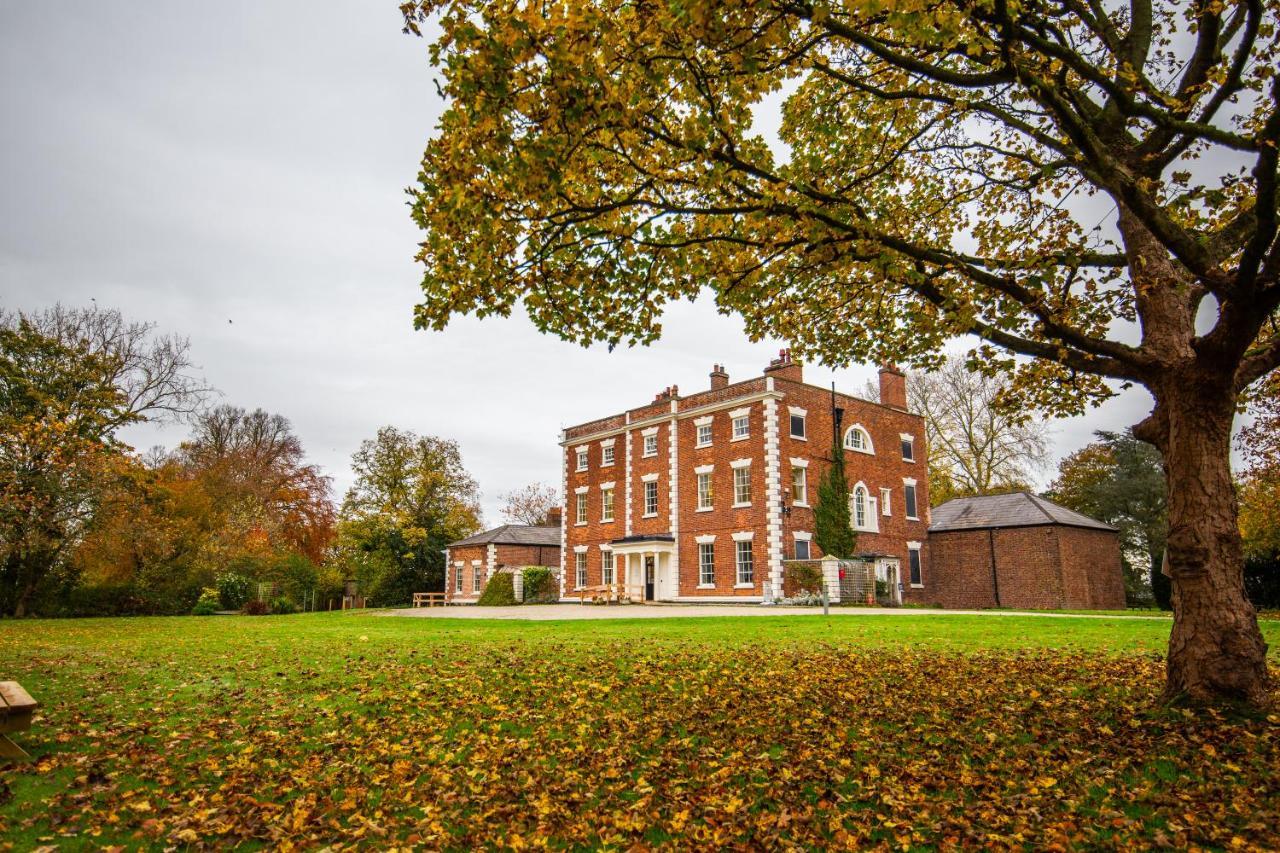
(645, 566)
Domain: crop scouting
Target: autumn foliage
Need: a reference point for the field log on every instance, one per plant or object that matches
(370, 732)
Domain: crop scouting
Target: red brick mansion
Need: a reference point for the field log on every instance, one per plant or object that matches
(703, 497)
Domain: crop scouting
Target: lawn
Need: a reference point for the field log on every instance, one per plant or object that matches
(369, 731)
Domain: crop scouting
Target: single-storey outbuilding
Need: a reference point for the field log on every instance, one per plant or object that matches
(1022, 551)
(470, 562)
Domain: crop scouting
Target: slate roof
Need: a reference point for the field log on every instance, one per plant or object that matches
(1019, 509)
(514, 534)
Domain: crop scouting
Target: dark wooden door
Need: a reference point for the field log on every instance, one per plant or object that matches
(648, 578)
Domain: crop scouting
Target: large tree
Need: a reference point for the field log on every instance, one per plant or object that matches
(977, 446)
(70, 379)
(412, 496)
(1119, 479)
(1087, 188)
(254, 462)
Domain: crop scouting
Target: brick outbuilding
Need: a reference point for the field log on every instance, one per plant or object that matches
(470, 562)
(1022, 551)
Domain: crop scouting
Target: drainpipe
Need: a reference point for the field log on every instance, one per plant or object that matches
(995, 577)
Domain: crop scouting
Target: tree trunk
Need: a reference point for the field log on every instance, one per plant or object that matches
(1216, 651)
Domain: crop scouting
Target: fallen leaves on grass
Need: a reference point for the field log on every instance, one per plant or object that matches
(627, 743)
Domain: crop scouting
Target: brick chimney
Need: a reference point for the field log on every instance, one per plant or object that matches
(719, 379)
(668, 393)
(553, 516)
(784, 368)
(893, 387)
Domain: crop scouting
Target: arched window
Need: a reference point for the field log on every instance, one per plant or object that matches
(862, 510)
(857, 438)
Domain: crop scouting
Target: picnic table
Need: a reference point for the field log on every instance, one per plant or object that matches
(16, 708)
(428, 599)
(604, 593)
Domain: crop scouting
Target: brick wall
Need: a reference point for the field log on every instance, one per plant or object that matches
(883, 469)
(1040, 567)
(465, 555)
(1091, 568)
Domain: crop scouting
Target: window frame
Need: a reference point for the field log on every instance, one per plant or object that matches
(802, 417)
(802, 481)
(607, 455)
(476, 578)
(583, 461)
(698, 435)
(580, 569)
(706, 563)
(907, 443)
(741, 486)
(580, 508)
(606, 565)
(915, 570)
(739, 563)
(649, 445)
(650, 490)
(457, 578)
(607, 513)
(868, 446)
(910, 499)
(808, 548)
(701, 478)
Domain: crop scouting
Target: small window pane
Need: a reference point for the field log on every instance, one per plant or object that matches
(797, 426)
(802, 549)
(908, 450)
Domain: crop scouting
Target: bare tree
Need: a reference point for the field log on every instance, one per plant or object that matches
(976, 446)
(531, 504)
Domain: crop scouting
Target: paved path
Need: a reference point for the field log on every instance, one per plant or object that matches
(545, 612)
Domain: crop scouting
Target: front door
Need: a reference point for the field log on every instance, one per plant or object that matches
(648, 578)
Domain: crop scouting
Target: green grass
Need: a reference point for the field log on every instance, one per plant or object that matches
(373, 731)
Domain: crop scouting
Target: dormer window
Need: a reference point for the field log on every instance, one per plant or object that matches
(857, 438)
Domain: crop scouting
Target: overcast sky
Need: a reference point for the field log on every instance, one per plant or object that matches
(235, 172)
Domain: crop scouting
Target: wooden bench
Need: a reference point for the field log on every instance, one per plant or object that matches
(16, 708)
(428, 599)
(606, 593)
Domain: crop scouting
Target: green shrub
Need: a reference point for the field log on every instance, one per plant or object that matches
(540, 585)
(233, 590)
(500, 591)
(208, 603)
(254, 607)
(281, 606)
(805, 577)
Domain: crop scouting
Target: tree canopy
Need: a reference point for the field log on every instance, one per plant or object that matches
(1088, 189)
(1119, 480)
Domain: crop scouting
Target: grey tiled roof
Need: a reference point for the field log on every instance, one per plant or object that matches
(1019, 509)
(514, 534)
